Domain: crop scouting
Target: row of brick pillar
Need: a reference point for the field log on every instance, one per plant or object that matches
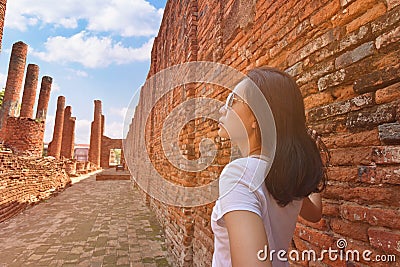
(22, 133)
(62, 145)
(13, 88)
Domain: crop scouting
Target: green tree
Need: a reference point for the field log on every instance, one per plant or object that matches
(2, 96)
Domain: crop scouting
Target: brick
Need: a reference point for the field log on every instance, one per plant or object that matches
(356, 156)
(311, 47)
(366, 138)
(385, 239)
(370, 118)
(339, 108)
(388, 94)
(331, 80)
(355, 55)
(343, 174)
(330, 209)
(367, 194)
(389, 133)
(352, 11)
(392, 3)
(367, 174)
(325, 13)
(350, 229)
(354, 38)
(317, 99)
(386, 155)
(375, 12)
(388, 174)
(317, 238)
(375, 216)
(386, 21)
(316, 72)
(388, 38)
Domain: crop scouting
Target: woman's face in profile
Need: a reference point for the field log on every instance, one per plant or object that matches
(236, 118)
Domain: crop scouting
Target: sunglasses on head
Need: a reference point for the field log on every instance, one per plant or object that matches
(232, 97)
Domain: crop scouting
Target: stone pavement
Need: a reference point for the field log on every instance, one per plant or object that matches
(92, 223)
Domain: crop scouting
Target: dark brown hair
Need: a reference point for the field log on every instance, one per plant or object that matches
(297, 169)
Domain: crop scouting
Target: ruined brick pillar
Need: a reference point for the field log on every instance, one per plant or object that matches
(95, 135)
(29, 95)
(55, 145)
(67, 144)
(44, 98)
(3, 4)
(15, 76)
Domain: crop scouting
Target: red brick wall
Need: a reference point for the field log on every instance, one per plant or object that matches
(24, 136)
(25, 181)
(344, 55)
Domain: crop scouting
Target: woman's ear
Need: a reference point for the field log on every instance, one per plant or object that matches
(254, 124)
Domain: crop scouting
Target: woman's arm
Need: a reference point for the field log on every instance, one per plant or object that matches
(246, 238)
(312, 208)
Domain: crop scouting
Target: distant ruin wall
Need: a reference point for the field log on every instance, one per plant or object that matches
(28, 180)
(344, 55)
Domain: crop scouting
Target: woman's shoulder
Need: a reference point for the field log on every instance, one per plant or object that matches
(247, 171)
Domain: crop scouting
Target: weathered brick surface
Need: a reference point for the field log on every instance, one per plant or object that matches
(27, 180)
(55, 145)
(29, 95)
(44, 97)
(344, 55)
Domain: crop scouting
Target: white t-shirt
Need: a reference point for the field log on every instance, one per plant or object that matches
(241, 187)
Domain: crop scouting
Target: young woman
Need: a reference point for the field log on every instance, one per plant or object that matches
(261, 196)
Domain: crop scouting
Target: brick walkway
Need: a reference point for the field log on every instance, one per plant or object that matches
(92, 223)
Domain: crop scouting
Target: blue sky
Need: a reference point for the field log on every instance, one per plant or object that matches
(93, 49)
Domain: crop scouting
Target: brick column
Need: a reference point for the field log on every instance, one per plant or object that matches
(3, 4)
(95, 135)
(15, 76)
(67, 144)
(29, 95)
(44, 98)
(55, 145)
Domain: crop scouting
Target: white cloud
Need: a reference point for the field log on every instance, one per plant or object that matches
(82, 131)
(119, 111)
(91, 51)
(3, 80)
(49, 128)
(114, 130)
(79, 73)
(122, 17)
(55, 87)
